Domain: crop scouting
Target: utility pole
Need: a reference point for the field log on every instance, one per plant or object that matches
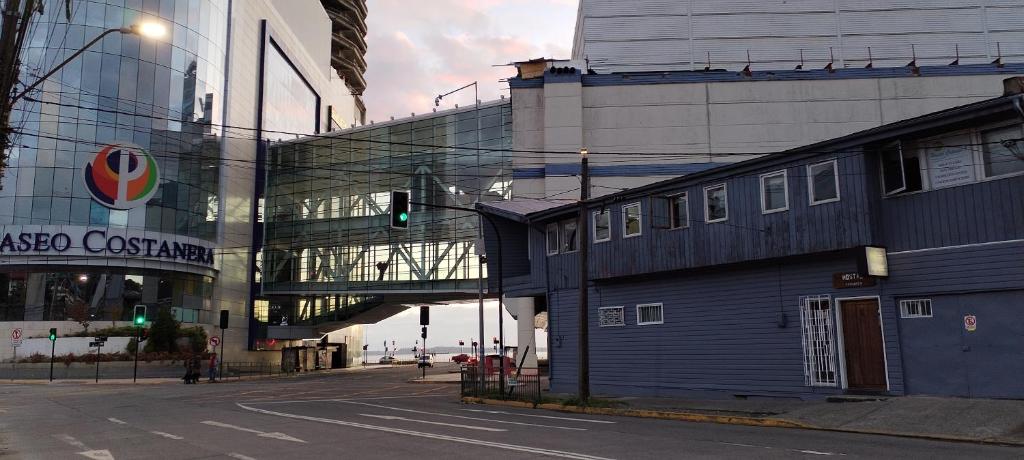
(583, 231)
(12, 38)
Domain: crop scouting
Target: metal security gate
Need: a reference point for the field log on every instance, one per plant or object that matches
(818, 327)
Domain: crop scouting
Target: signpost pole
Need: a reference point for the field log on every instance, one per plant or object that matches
(53, 349)
(98, 362)
(138, 345)
(14, 365)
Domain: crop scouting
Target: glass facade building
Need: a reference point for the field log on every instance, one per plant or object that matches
(329, 252)
(156, 105)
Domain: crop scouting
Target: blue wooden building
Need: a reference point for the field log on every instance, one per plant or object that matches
(888, 261)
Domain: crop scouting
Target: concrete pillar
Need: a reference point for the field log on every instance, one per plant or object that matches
(523, 309)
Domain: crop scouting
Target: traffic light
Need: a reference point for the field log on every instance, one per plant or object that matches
(423, 332)
(224, 319)
(399, 210)
(53, 334)
(424, 316)
(139, 318)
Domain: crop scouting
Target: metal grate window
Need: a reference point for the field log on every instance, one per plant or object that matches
(649, 313)
(916, 308)
(611, 316)
(818, 341)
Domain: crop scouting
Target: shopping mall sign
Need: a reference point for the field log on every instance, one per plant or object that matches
(121, 176)
(57, 242)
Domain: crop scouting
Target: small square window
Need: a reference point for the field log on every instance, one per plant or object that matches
(999, 158)
(611, 316)
(916, 308)
(631, 220)
(823, 182)
(602, 226)
(570, 239)
(774, 192)
(552, 239)
(679, 211)
(649, 313)
(716, 204)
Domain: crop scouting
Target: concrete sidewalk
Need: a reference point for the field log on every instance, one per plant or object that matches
(952, 419)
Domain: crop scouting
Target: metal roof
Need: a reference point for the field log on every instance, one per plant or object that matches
(518, 209)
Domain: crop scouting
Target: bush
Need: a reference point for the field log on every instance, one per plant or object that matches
(196, 338)
(163, 332)
(120, 331)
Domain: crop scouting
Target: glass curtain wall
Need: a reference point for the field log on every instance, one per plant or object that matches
(329, 248)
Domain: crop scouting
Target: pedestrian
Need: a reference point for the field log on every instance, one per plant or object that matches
(188, 371)
(213, 367)
(197, 367)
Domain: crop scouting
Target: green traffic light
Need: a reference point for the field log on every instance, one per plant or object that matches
(403, 216)
(53, 337)
(140, 320)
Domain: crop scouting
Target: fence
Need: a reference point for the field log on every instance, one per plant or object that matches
(521, 386)
(237, 370)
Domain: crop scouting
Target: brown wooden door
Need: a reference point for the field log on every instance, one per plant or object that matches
(863, 345)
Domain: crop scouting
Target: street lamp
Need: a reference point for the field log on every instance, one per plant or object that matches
(153, 30)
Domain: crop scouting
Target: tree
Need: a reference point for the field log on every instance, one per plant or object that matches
(79, 312)
(163, 333)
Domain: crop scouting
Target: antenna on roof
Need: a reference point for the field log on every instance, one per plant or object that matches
(913, 63)
(831, 59)
(708, 67)
(871, 61)
(800, 66)
(957, 60)
(999, 56)
(746, 70)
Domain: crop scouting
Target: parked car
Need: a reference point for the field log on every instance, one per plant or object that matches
(386, 360)
(459, 359)
(425, 361)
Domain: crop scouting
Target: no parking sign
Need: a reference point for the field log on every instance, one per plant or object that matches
(214, 341)
(970, 323)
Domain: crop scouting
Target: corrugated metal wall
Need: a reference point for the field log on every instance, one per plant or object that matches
(640, 35)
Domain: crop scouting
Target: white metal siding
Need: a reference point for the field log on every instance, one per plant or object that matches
(638, 35)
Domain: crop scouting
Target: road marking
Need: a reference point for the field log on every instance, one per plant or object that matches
(97, 454)
(463, 416)
(71, 440)
(538, 416)
(119, 422)
(239, 456)
(368, 398)
(421, 434)
(167, 435)
(811, 452)
(468, 427)
(274, 435)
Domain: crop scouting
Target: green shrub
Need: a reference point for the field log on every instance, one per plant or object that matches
(196, 338)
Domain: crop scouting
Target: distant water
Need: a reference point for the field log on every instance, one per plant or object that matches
(373, 357)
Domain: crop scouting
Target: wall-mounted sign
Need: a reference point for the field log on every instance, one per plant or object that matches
(950, 166)
(851, 280)
(121, 176)
(970, 323)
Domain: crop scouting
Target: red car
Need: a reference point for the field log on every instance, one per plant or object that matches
(461, 358)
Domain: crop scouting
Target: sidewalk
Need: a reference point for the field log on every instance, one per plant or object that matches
(953, 419)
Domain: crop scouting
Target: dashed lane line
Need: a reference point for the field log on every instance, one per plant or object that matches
(117, 421)
(801, 451)
(435, 436)
(239, 456)
(428, 422)
(441, 414)
(274, 435)
(167, 435)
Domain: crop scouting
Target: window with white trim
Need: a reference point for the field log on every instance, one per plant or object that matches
(823, 182)
(552, 239)
(916, 308)
(570, 238)
(1002, 153)
(679, 211)
(611, 316)
(716, 204)
(631, 220)
(774, 192)
(602, 225)
(818, 337)
(649, 313)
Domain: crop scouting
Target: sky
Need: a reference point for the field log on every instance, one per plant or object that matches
(418, 49)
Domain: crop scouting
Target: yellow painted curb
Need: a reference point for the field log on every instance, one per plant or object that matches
(665, 415)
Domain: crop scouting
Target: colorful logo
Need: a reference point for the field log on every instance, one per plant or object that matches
(121, 176)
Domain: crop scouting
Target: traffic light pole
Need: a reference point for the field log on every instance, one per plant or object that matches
(138, 345)
(53, 350)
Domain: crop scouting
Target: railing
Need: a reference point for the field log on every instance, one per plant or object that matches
(238, 370)
(522, 385)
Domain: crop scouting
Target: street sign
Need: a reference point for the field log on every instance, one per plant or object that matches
(971, 323)
(16, 337)
(214, 341)
(95, 344)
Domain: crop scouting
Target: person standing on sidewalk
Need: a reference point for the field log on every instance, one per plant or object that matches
(213, 367)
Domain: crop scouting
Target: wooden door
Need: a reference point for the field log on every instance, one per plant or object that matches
(863, 345)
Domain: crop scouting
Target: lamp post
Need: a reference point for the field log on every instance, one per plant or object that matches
(146, 29)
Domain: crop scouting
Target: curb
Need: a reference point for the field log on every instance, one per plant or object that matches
(731, 420)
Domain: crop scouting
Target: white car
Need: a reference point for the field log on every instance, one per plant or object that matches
(386, 360)
(425, 361)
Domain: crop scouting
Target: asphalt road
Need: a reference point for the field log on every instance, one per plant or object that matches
(376, 414)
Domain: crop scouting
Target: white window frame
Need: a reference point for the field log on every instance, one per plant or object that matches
(639, 220)
(764, 196)
(980, 173)
(561, 235)
(810, 182)
(905, 308)
(547, 239)
(661, 309)
(672, 210)
(707, 210)
(622, 316)
(593, 223)
(818, 334)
